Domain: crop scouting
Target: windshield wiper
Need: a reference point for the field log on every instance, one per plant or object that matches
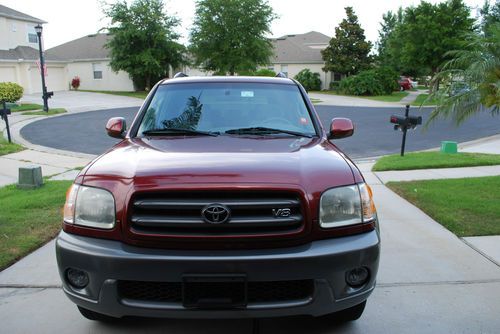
(178, 131)
(259, 130)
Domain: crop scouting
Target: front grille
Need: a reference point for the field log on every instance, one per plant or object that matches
(180, 213)
(257, 292)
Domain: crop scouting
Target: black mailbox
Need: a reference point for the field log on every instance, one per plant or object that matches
(404, 123)
(49, 94)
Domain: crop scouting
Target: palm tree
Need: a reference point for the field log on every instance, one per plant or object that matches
(473, 75)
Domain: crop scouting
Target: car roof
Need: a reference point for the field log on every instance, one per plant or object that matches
(235, 79)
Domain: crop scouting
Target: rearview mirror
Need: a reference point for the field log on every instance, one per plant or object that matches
(116, 127)
(341, 128)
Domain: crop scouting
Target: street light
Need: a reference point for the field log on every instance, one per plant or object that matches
(45, 96)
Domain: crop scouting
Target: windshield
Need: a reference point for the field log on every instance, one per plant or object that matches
(221, 107)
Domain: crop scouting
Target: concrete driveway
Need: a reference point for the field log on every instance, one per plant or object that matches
(429, 282)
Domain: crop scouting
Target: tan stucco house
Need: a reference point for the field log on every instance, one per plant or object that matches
(88, 58)
(293, 53)
(19, 54)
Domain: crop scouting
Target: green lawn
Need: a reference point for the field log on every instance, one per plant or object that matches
(467, 207)
(424, 160)
(53, 111)
(26, 106)
(139, 94)
(314, 101)
(29, 218)
(394, 97)
(421, 100)
(7, 148)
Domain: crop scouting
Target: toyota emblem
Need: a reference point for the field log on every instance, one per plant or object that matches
(215, 214)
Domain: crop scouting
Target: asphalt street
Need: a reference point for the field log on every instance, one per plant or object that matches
(374, 135)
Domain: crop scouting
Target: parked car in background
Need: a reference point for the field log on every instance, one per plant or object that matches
(405, 83)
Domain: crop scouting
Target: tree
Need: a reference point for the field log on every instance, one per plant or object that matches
(143, 40)
(348, 51)
(230, 35)
(474, 79)
(386, 54)
(490, 15)
(418, 44)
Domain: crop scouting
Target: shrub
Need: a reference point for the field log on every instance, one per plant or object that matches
(10, 92)
(379, 81)
(75, 82)
(334, 85)
(309, 80)
(264, 72)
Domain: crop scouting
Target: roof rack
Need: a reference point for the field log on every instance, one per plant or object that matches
(180, 75)
(281, 75)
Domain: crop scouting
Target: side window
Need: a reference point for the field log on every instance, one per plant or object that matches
(97, 68)
(32, 37)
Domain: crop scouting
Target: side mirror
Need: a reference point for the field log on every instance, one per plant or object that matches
(341, 128)
(116, 127)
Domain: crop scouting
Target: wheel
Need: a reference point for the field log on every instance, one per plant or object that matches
(350, 314)
(91, 315)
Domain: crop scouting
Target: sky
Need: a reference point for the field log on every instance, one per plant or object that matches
(71, 19)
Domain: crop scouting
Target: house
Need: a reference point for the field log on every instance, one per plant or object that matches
(19, 54)
(293, 53)
(88, 58)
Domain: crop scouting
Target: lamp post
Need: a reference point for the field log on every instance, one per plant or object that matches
(45, 96)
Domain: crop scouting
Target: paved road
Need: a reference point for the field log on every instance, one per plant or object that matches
(374, 135)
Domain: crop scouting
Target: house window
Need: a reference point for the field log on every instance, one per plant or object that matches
(284, 70)
(32, 37)
(14, 27)
(97, 68)
(270, 67)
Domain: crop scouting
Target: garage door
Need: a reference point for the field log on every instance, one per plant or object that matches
(55, 79)
(7, 74)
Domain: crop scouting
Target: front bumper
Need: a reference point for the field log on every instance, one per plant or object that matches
(325, 262)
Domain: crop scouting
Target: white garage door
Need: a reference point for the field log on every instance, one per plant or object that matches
(7, 74)
(55, 79)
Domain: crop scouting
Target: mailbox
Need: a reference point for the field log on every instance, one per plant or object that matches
(404, 123)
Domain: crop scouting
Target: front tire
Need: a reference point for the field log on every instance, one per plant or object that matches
(94, 316)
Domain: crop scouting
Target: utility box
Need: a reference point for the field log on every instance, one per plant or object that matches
(449, 147)
(30, 177)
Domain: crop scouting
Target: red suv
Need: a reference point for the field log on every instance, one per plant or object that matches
(225, 199)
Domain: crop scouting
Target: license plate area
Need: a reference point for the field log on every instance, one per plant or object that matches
(214, 291)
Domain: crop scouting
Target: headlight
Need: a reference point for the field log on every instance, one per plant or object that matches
(92, 207)
(347, 205)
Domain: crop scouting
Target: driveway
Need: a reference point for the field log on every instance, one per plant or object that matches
(429, 282)
(374, 135)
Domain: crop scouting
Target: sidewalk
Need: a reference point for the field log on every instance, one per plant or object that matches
(52, 161)
(425, 273)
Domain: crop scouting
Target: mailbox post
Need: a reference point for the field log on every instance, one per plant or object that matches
(3, 113)
(405, 123)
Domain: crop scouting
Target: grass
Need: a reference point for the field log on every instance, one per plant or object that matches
(314, 101)
(421, 100)
(53, 111)
(424, 160)
(29, 218)
(394, 97)
(466, 207)
(26, 106)
(139, 94)
(422, 87)
(7, 148)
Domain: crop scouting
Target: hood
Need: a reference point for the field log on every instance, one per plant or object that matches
(160, 161)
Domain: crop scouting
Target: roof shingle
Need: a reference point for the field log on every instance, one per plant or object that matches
(11, 13)
(87, 47)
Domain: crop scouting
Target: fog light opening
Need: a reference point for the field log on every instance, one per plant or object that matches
(357, 277)
(77, 278)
